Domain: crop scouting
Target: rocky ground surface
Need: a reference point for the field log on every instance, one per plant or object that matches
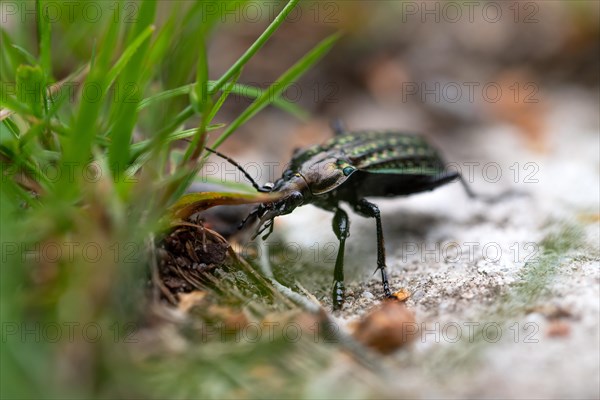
(506, 295)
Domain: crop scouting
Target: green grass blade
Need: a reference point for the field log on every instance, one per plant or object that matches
(78, 146)
(126, 56)
(145, 146)
(279, 101)
(10, 102)
(164, 95)
(25, 54)
(44, 39)
(199, 96)
(224, 95)
(262, 39)
(240, 89)
(202, 102)
(31, 83)
(124, 113)
(10, 57)
(279, 86)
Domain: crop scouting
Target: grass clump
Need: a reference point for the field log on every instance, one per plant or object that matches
(90, 114)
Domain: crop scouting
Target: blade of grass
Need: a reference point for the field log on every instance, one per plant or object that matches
(265, 99)
(30, 88)
(44, 39)
(191, 22)
(124, 113)
(78, 146)
(125, 58)
(11, 58)
(10, 102)
(194, 202)
(164, 95)
(201, 101)
(224, 95)
(240, 89)
(185, 134)
(279, 86)
(279, 102)
(229, 185)
(203, 104)
(158, 140)
(262, 39)
(199, 97)
(25, 54)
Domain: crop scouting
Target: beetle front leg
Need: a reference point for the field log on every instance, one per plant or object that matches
(341, 228)
(370, 210)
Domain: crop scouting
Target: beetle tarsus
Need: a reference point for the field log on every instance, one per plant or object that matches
(338, 295)
(341, 228)
(370, 210)
(386, 284)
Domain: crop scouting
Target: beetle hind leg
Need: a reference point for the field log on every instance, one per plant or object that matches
(341, 228)
(370, 210)
(489, 199)
(338, 127)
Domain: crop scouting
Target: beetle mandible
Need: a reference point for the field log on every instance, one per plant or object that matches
(350, 167)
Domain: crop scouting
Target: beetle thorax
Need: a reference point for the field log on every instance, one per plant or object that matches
(324, 174)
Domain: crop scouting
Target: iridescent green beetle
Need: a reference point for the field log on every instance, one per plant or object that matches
(348, 168)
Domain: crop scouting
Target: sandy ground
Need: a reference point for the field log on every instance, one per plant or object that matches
(507, 295)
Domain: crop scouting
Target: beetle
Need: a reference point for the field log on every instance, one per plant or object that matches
(350, 167)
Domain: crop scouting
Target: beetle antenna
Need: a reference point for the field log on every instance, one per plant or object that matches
(238, 166)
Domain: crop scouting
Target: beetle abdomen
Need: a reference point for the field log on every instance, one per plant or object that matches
(366, 184)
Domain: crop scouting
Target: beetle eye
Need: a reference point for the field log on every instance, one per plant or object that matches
(348, 170)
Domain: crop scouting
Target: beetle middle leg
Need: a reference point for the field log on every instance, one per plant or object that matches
(370, 210)
(341, 228)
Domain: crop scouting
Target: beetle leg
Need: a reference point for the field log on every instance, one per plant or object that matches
(271, 226)
(338, 127)
(367, 209)
(261, 229)
(490, 199)
(252, 215)
(341, 228)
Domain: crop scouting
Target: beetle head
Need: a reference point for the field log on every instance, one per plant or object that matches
(290, 190)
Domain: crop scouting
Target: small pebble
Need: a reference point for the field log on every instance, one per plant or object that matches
(467, 295)
(387, 327)
(558, 329)
(419, 294)
(368, 295)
